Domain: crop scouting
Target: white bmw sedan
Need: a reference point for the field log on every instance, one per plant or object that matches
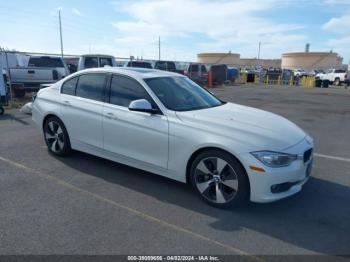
(166, 124)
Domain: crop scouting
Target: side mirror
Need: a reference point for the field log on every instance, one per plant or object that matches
(142, 105)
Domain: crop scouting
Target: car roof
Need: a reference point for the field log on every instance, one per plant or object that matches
(135, 72)
(98, 55)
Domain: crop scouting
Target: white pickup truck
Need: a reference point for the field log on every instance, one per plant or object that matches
(334, 76)
(31, 71)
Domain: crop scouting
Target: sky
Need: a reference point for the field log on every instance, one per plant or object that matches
(186, 27)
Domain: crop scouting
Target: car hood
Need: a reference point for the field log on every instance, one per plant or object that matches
(255, 128)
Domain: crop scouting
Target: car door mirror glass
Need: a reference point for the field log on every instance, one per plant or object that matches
(142, 105)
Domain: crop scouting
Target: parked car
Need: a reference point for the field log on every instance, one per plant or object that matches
(38, 70)
(140, 64)
(95, 61)
(197, 73)
(334, 76)
(300, 73)
(167, 66)
(164, 123)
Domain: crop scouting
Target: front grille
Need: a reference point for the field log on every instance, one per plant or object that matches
(307, 155)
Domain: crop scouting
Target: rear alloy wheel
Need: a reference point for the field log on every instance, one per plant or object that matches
(219, 179)
(56, 137)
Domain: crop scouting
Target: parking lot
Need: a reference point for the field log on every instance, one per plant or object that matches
(87, 205)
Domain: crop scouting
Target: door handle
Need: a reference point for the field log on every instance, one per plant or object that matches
(66, 102)
(110, 115)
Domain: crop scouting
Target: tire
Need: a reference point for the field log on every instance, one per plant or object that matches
(219, 179)
(2, 110)
(337, 82)
(56, 137)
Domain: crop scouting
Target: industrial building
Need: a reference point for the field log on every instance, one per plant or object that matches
(219, 58)
(295, 60)
(311, 60)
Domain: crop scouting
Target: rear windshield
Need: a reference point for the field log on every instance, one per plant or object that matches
(340, 71)
(140, 64)
(163, 65)
(45, 62)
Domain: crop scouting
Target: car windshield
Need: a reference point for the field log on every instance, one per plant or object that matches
(181, 94)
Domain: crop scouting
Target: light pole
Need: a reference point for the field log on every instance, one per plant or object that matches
(59, 19)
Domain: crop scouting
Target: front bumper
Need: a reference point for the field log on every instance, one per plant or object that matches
(278, 183)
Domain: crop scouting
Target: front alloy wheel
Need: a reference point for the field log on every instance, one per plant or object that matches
(56, 137)
(219, 179)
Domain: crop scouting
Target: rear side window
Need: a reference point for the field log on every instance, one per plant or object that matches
(204, 69)
(105, 62)
(45, 62)
(69, 86)
(90, 86)
(91, 62)
(125, 90)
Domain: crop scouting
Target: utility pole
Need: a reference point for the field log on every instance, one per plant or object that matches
(159, 48)
(59, 18)
(259, 51)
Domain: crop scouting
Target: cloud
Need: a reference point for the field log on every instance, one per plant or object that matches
(222, 25)
(338, 24)
(77, 12)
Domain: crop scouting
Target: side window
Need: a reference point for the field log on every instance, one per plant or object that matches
(125, 90)
(91, 62)
(203, 69)
(69, 86)
(90, 86)
(105, 62)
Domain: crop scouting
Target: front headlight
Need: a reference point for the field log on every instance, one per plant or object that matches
(274, 159)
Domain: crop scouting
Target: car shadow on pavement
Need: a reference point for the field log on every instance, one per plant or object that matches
(15, 117)
(316, 219)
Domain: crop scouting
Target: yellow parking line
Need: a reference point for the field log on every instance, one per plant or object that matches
(131, 210)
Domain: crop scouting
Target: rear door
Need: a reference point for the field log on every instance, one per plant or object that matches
(82, 99)
(135, 135)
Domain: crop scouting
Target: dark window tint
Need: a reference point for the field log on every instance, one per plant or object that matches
(45, 62)
(68, 87)
(91, 62)
(171, 66)
(105, 62)
(91, 86)
(194, 68)
(125, 90)
(204, 69)
(339, 71)
(139, 64)
(160, 65)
